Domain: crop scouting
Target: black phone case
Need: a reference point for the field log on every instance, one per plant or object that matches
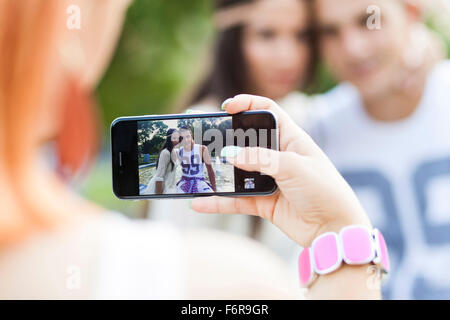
(115, 162)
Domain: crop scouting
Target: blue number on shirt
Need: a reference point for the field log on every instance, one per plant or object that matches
(424, 175)
(185, 165)
(391, 231)
(191, 167)
(435, 235)
(195, 165)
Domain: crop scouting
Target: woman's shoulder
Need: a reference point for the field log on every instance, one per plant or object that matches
(165, 154)
(116, 257)
(119, 228)
(152, 250)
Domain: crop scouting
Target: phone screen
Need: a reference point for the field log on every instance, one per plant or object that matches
(182, 155)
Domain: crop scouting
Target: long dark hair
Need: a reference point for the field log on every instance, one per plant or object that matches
(225, 79)
(169, 146)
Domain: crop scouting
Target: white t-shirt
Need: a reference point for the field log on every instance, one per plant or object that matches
(140, 260)
(401, 173)
(164, 173)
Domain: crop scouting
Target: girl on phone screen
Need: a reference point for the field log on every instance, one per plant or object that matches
(164, 180)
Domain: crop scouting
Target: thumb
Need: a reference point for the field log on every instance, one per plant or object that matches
(279, 165)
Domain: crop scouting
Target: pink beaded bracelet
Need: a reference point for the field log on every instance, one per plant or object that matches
(355, 245)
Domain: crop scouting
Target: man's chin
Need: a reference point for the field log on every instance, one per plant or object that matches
(370, 86)
(372, 91)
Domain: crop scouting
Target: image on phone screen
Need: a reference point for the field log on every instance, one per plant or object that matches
(173, 156)
(172, 162)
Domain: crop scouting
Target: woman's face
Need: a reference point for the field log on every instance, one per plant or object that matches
(175, 138)
(276, 47)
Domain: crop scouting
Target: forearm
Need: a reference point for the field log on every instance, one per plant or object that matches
(158, 187)
(348, 281)
(212, 177)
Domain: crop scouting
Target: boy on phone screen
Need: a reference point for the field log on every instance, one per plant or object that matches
(192, 157)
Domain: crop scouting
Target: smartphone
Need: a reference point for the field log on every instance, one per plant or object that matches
(181, 155)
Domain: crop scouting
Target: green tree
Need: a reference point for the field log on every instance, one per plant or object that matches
(157, 58)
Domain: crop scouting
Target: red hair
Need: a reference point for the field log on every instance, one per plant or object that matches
(29, 38)
(77, 142)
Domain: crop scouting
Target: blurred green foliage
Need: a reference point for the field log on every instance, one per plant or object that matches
(158, 53)
(98, 188)
(151, 138)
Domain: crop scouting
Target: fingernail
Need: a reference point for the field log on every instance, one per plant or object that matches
(224, 104)
(230, 151)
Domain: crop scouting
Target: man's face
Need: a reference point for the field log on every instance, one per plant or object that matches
(353, 52)
(186, 138)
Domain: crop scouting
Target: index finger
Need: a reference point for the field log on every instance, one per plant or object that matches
(290, 133)
(246, 102)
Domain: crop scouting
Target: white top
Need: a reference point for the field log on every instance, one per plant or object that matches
(400, 171)
(110, 257)
(164, 173)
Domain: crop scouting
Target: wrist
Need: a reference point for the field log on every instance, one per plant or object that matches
(354, 245)
(354, 216)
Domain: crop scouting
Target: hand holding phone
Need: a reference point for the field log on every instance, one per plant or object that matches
(313, 197)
